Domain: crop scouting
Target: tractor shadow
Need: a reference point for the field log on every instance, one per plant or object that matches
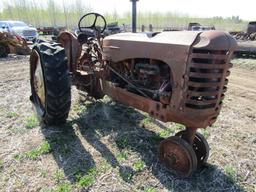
(68, 151)
(122, 127)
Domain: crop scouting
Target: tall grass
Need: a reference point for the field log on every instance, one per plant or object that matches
(67, 14)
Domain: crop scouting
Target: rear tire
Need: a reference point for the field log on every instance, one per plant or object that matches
(52, 96)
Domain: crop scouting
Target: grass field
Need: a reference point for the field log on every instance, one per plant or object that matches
(106, 146)
(245, 63)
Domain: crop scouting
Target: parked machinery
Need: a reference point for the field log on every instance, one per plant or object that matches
(12, 44)
(246, 41)
(199, 27)
(178, 76)
(251, 28)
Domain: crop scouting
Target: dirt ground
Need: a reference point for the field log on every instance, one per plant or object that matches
(106, 146)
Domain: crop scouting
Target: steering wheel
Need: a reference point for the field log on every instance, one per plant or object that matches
(91, 21)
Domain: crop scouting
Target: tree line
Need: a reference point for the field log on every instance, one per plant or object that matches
(64, 13)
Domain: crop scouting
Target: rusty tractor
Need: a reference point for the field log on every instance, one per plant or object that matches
(246, 41)
(199, 27)
(12, 44)
(246, 49)
(178, 76)
(251, 28)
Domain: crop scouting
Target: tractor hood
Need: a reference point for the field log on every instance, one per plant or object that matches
(183, 37)
(142, 45)
(172, 46)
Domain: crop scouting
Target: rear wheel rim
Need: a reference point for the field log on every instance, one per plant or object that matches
(39, 81)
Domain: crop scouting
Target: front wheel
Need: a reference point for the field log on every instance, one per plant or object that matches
(200, 146)
(50, 83)
(176, 154)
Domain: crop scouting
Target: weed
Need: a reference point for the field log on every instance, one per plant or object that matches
(61, 143)
(44, 148)
(179, 126)
(64, 187)
(43, 173)
(122, 156)
(155, 138)
(2, 110)
(139, 165)
(126, 176)
(86, 181)
(11, 114)
(93, 171)
(46, 190)
(104, 167)
(122, 142)
(31, 122)
(16, 130)
(78, 174)
(17, 157)
(58, 176)
(231, 172)
(150, 189)
(79, 108)
(126, 173)
(148, 120)
(106, 99)
(166, 132)
(1, 164)
(205, 133)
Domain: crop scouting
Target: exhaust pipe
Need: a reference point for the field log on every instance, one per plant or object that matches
(134, 15)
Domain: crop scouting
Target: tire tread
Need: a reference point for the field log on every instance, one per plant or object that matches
(57, 83)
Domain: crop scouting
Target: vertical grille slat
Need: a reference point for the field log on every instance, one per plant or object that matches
(207, 79)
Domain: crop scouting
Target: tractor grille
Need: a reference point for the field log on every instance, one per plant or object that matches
(207, 81)
(29, 33)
